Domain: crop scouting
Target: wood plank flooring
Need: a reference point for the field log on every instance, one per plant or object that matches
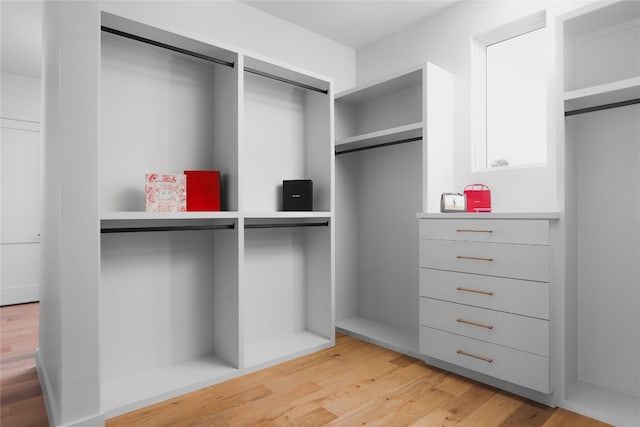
(354, 383)
(21, 402)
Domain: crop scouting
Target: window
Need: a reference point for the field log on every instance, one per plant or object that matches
(510, 95)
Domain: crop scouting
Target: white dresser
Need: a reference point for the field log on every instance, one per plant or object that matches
(485, 295)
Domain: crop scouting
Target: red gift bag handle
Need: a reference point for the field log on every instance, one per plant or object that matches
(472, 187)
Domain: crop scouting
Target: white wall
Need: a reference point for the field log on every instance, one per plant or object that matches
(20, 97)
(20, 189)
(445, 40)
(243, 28)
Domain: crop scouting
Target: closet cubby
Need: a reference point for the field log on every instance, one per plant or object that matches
(169, 311)
(380, 112)
(600, 51)
(164, 112)
(598, 66)
(287, 135)
(287, 288)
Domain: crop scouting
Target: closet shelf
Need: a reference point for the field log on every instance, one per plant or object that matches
(602, 403)
(609, 93)
(135, 391)
(139, 215)
(386, 136)
(382, 334)
(287, 215)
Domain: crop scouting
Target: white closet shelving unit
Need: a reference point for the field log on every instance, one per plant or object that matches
(192, 298)
(599, 50)
(388, 135)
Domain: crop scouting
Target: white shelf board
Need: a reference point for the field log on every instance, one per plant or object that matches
(384, 86)
(608, 93)
(380, 334)
(126, 394)
(262, 353)
(620, 409)
(141, 215)
(286, 215)
(412, 130)
(489, 215)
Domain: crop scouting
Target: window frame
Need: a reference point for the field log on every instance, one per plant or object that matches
(479, 44)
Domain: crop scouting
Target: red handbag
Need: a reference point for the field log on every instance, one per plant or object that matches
(478, 198)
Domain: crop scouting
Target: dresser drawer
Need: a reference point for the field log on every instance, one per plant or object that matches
(511, 295)
(509, 330)
(486, 230)
(529, 262)
(518, 367)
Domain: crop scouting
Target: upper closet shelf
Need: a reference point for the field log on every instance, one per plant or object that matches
(389, 85)
(605, 94)
(398, 134)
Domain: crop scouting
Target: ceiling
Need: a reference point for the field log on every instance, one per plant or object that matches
(354, 23)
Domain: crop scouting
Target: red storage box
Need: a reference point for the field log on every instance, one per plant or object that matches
(203, 190)
(478, 198)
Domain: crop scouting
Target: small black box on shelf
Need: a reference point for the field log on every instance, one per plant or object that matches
(297, 195)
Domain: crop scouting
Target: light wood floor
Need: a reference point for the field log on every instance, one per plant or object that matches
(354, 383)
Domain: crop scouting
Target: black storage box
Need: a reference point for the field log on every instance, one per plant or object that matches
(297, 195)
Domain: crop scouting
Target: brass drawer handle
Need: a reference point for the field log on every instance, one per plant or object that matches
(477, 258)
(477, 291)
(469, 322)
(471, 230)
(475, 356)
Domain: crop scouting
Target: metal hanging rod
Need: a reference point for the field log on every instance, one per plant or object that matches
(384, 144)
(167, 46)
(602, 107)
(284, 80)
(285, 225)
(167, 228)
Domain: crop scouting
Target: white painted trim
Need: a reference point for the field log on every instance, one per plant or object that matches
(50, 400)
(45, 385)
(20, 294)
(479, 44)
(19, 124)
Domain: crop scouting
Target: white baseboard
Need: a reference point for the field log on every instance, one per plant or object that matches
(20, 294)
(51, 403)
(45, 386)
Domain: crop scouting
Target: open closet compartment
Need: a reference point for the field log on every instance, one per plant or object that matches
(168, 311)
(287, 288)
(287, 280)
(287, 117)
(168, 280)
(166, 106)
(389, 134)
(599, 49)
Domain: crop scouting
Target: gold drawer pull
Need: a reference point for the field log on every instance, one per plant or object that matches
(475, 356)
(469, 322)
(477, 258)
(474, 290)
(471, 230)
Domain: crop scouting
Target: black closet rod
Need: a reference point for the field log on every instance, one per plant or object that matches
(167, 46)
(602, 107)
(384, 144)
(166, 228)
(284, 225)
(284, 80)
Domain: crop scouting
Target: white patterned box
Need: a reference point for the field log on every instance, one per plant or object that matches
(165, 192)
